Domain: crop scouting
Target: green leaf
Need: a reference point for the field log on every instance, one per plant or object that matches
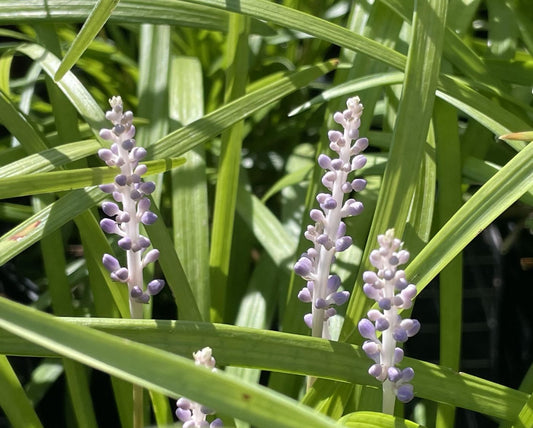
(375, 420)
(250, 347)
(58, 181)
(94, 23)
(158, 370)
(493, 198)
(13, 399)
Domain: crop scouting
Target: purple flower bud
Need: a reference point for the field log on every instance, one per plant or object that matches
(183, 414)
(151, 256)
(120, 275)
(135, 195)
(324, 161)
(321, 303)
(106, 134)
(414, 328)
(217, 423)
(358, 184)
(143, 298)
(109, 226)
(110, 263)
(117, 196)
(394, 374)
(346, 187)
(128, 145)
(400, 335)
(324, 240)
(405, 393)
(107, 188)
(408, 374)
(110, 208)
(340, 298)
(143, 205)
(339, 118)
(333, 284)
(136, 291)
(366, 329)
(125, 243)
(370, 277)
(343, 243)
(375, 370)
(358, 162)
(106, 155)
(398, 356)
(334, 136)
(385, 303)
(388, 274)
(134, 178)
(138, 153)
(123, 217)
(121, 180)
(409, 292)
(329, 204)
(371, 292)
(328, 313)
(403, 257)
(308, 319)
(141, 169)
(118, 129)
(371, 349)
(360, 145)
(305, 296)
(303, 267)
(317, 216)
(382, 324)
(147, 188)
(148, 218)
(336, 164)
(351, 208)
(155, 286)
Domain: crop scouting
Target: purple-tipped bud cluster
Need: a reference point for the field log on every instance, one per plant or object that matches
(328, 234)
(390, 289)
(131, 206)
(192, 414)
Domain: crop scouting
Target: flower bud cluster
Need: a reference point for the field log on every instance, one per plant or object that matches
(192, 414)
(130, 192)
(328, 234)
(390, 289)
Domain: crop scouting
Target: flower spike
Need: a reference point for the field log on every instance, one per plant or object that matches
(131, 207)
(328, 234)
(390, 289)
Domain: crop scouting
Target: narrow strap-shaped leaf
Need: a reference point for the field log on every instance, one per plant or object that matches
(320, 28)
(212, 124)
(375, 420)
(493, 198)
(407, 147)
(94, 23)
(50, 158)
(190, 214)
(69, 84)
(58, 181)
(274, 351)
(172, 12)
(13, 399)
(449, 200)
(236, 58)
(158, 370)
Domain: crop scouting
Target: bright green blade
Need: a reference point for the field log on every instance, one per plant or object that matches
(94, 23)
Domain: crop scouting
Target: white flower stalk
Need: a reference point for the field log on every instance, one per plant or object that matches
(130, 191)
(328, 234)
(389, 288)
(192, 414)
